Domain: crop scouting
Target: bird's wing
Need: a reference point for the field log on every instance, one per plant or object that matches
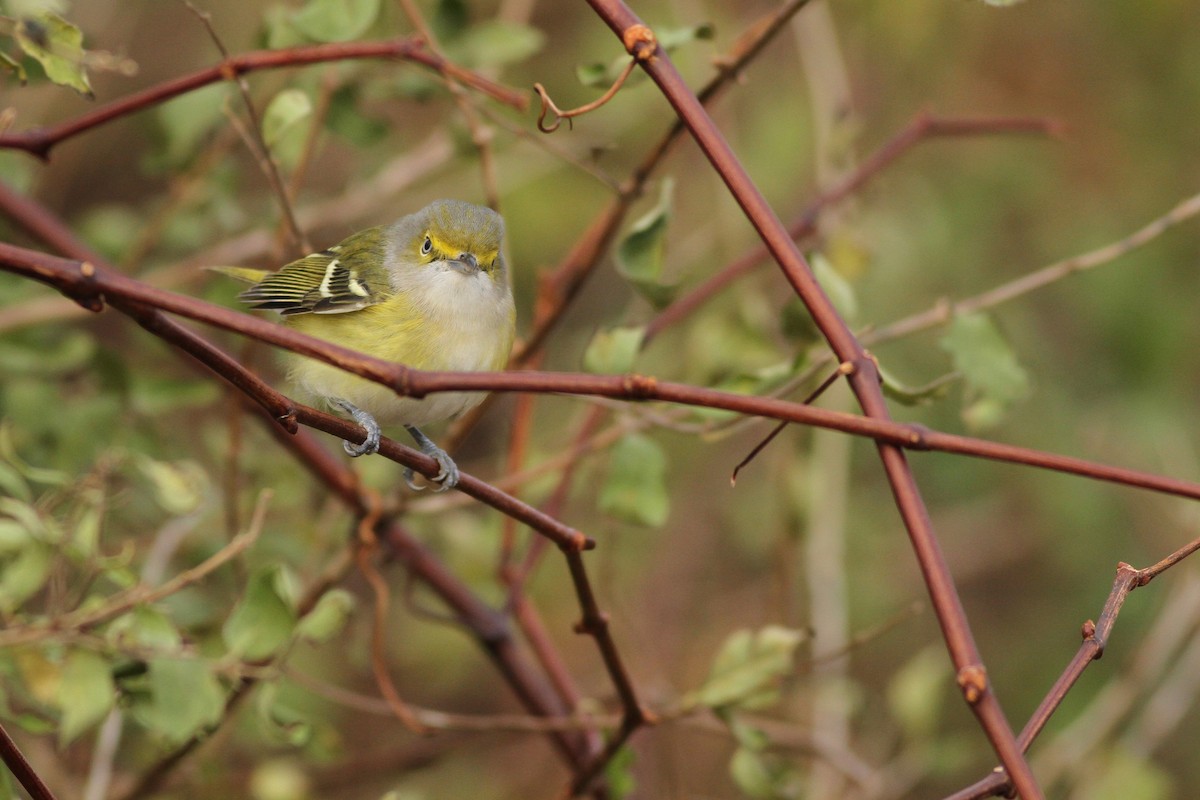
(346, 277)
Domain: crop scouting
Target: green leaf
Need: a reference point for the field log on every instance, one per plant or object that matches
(994, 378)
(335, 20)
(751, 773)
(86, 694)
(14, 536)
(839, 290)
(327, 617)
(494, 44)
(619, 778)
(85, 537)
(184, 698)
(641, 255)
(915, 395)
(918, 690)
(144, 627)
(749, 737)
(748, 669)
(611, 352)
(285, 723)
(635, 489)
(24, 575)
(58, 46)
(263, 621)
(602, 76)
(597, 75)
(281, 125)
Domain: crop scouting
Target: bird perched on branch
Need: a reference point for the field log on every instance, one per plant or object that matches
(430, 291)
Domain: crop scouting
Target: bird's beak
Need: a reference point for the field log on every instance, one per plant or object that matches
(466, 263)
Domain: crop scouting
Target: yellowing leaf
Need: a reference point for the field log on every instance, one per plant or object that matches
(58, 46)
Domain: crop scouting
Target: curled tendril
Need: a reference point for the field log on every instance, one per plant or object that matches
(548, 105)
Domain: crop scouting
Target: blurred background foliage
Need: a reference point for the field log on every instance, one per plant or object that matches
(111, 444)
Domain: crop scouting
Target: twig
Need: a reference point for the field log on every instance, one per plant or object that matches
(549, 106)
(922, 127)
(40, 141)
(481, 136)
(255, 141)
(864, 382)
(141, 595)
(758, 448)
(1095, 638)
(21, 769)
(943, 312)
(364, 551)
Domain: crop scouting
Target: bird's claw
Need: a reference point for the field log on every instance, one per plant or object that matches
(370, 444)
(448, 475)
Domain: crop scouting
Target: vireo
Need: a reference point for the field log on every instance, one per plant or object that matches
(430, 291)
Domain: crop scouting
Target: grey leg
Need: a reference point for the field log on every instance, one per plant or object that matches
(448, 477)
(371, 444)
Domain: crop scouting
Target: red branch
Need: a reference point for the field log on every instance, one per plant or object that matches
(1095, 638)
(91, 285)
(641, 43)
(40, 141)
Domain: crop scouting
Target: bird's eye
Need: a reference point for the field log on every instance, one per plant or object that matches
(427, 246)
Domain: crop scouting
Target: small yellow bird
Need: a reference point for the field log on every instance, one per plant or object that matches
(431, 291)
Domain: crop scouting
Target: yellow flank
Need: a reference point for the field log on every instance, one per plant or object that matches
(472, 338)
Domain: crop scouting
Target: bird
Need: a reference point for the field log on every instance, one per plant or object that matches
(431, 291)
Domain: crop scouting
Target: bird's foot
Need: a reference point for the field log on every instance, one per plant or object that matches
(371, 443)
(447, 477)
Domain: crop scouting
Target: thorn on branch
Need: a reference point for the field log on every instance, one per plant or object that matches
(548, 105)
